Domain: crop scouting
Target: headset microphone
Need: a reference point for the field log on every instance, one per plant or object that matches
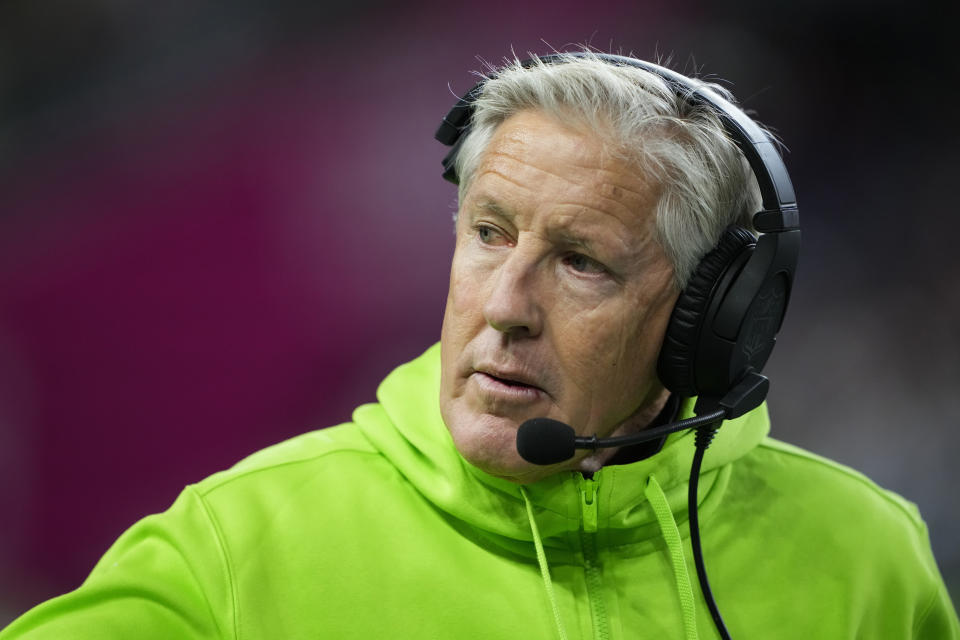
(546, 441)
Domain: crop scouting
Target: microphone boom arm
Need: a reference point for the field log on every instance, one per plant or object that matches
(593, 443)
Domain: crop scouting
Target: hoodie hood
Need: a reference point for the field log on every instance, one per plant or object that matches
(406, 427)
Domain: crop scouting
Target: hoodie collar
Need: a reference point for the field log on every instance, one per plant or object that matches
(407, 428)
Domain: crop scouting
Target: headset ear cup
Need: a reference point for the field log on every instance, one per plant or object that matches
(677, 362)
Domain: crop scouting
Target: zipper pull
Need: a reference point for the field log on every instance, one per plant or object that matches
(588, 504)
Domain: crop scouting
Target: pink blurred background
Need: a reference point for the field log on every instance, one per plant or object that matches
(221, 227)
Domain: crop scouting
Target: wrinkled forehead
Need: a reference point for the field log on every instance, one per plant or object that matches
(534, 160)
(572, 133)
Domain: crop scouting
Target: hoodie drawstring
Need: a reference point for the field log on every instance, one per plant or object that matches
(544, 569)
(671, 535)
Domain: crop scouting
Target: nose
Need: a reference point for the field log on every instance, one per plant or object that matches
(512, 305)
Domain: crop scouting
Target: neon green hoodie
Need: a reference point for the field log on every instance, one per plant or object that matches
(379, 529)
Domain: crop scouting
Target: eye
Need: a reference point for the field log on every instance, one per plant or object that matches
(582, 264)
(489, 235)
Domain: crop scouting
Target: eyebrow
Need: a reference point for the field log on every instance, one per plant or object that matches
(494, 207)
(563, 232)
(596, 247)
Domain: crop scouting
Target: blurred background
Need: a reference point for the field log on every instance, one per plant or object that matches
(222, 226)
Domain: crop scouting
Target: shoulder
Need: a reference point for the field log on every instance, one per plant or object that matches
(838, 518)
(342, 450)
(844, 538)
(801, 474)
(292, 491)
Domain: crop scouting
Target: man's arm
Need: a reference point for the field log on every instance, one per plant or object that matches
(166, 577)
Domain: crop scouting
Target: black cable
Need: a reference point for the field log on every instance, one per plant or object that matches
(703, 438)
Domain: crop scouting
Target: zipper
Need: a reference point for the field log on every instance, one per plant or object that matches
(591, 568)
(588, 504)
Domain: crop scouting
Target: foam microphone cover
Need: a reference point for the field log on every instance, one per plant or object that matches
(545, 441)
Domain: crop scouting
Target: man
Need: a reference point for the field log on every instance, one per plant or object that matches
(589, 192)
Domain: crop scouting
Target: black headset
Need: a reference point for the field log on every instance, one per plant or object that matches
(725, 322)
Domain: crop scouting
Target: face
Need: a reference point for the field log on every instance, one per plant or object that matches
(559, 297)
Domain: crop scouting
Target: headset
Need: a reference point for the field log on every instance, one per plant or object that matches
(725, 321)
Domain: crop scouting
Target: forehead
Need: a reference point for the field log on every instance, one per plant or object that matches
(536, 164)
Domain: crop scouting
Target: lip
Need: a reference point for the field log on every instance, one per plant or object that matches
(498, 384)
(513, 374)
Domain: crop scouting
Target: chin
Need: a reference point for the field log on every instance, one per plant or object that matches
(489, 443)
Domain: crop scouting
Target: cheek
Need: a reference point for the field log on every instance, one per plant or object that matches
(454, 336)
(589, 346)
(464, 298)
(463, 315)
(613, 348)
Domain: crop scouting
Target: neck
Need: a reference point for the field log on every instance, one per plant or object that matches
(643, 418)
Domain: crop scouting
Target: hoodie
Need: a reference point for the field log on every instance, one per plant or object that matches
(379, 528)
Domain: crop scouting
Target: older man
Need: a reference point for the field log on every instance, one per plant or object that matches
(590, 190)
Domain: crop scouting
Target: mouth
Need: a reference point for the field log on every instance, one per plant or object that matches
(511, 382)
(507, 385)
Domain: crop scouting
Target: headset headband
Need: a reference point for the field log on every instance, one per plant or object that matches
(779, 212)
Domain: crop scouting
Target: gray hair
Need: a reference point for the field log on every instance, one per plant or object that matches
(706, 183)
